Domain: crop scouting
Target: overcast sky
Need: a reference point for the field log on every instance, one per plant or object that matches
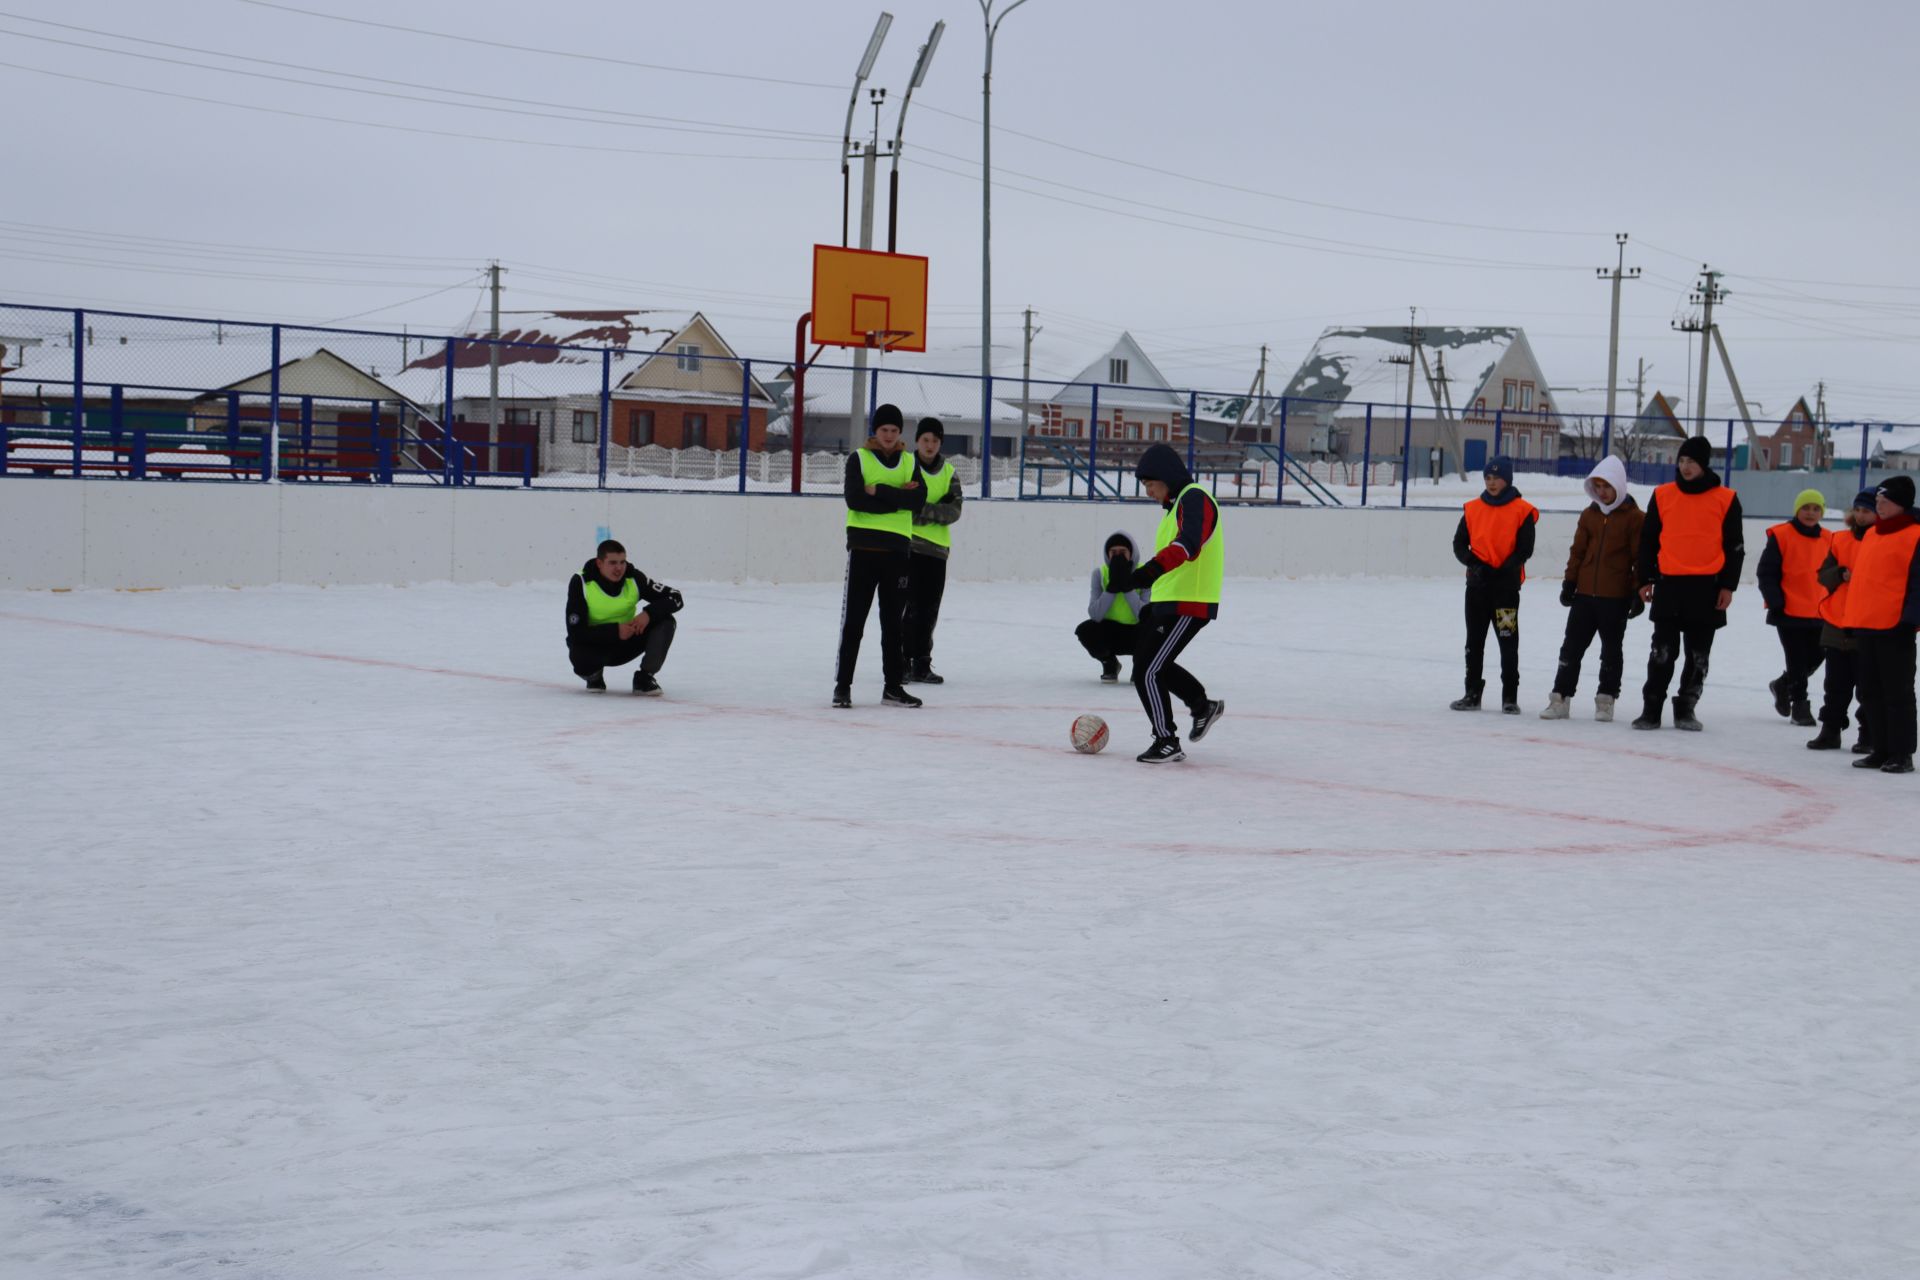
(1210, 175)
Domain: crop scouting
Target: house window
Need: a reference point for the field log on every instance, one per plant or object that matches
(1766, 456)
(1117, 371)
(733, 431)
(1073, 426)
(1549, 445)
(1512, 393)
(519, 417)
(1133, 431)
(586, 426)
(695, 427)
(686, 357)
(639, 427)
(1786, 455)
(1526, 396)
(1520, 439)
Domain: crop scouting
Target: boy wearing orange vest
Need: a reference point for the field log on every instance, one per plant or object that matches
(1691, 550)
(1789, 578)
(1882, 612)
(1833, 633)
(1494, 540)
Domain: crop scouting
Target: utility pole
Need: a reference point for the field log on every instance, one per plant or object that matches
(1026, 377)
(1618, 274)
(493, 358)
(1820, 425)
(1640, 388)
(1260, 422)
(992, 26)
(1705, 296)
(870, 153)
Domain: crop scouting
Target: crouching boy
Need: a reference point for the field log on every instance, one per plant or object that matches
(607, 628)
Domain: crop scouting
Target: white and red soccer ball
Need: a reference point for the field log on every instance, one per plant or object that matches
(1089, 735)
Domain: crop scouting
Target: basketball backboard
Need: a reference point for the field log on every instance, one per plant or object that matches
(864, 298)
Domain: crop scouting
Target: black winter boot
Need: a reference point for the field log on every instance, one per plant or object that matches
(1829, 739)
(1683, 716)
(1872, 760)
(1649, 718)
(1782, 696)
(1803, 713)
(1110, 671)
(1898, 764)
(922, 672)
(1471, 702)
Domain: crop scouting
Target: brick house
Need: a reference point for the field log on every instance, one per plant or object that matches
(1799, 443)
(692, 392)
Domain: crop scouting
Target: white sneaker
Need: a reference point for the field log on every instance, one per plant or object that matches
(1603, 708)
(1556, 708)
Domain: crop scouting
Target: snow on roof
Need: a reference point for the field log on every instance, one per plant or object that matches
(156, 366)
(1353, 363)
(1896, 439)
(1145, 387)
(543, 354)
(918, 395)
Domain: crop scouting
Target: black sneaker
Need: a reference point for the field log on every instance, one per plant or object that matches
(598, 681)
(1873, 760)
(1803, 713)
(1205, 718)
(842, 696)
(1510, 708)
(1782, 698)
(645, 685)
(1110, 671)
(894, 696)
(1861, 746)
(923, 673)
(1898, 764)
(1829, 740)
(1163, 751)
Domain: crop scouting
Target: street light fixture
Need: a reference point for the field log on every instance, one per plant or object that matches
(853, 100)
(920, 66)
(992, 25)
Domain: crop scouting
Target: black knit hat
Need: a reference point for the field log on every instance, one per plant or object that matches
(930, 427)
(1864, 499)
(1898, 489)
(1699, 448)
(1501, 466)
(889, 415)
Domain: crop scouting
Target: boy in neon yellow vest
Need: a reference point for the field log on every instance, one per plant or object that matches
(882, 491)
(932, 541)
(606, 627)
(1113, 617)
(1183, 581)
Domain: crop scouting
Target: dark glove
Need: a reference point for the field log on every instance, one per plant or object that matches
(1638, 606)
(1477, 574)
(1143, 576)
(1566, 595)
(1120, 575)
(672, 598)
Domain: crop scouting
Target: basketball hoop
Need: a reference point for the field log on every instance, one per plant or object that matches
(887, 339)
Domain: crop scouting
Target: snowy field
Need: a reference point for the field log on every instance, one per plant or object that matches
(345, 936)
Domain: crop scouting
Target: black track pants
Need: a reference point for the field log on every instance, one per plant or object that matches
(1669, 638)
(1838, 690)
(1801, 648)
(650, 646)
(926, 584)
(1592, 616)
(1497, 607)
(1106, 639)
(1885, 662)
(1157, 676)
(870, 573)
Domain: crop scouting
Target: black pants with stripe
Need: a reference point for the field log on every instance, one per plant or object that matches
(1157, 676)
(1884, 663)
(871, 573)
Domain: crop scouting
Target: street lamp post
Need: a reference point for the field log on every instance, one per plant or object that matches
(992, 25)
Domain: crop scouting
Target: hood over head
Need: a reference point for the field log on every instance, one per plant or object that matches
(1614, 472)
(1161, 463)
(1119, 538)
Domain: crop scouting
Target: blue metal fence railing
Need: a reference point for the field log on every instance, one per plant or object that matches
(128, 395)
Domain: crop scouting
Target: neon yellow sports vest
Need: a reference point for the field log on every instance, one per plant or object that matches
(938, 485)
(1197, 580)
(603, 608)
(1119, 610)
(877, 473)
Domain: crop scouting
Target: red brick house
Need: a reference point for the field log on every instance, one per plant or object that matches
(692, 392)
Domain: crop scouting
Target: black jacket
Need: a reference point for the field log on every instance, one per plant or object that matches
(883, 501)
(1507, 574)
(1771, 569)
(662, 602)
(1733, 542)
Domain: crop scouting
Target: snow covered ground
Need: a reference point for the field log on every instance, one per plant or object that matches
(345, 936)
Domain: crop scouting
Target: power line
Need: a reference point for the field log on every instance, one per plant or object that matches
(144, 241)
(393, 305)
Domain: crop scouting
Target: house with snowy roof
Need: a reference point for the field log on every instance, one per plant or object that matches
(1120, 395)
(953, 399)
(1470, 385)
(1798, 443)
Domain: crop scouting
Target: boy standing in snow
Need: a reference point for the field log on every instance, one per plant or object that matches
(932, 541)
(1494, 540)
(1883, 612)
(605, 627)
(1691, 550)
(1112, 616)
(1789, 578)
(882, 491)
(1840, 678)
(1599, 589)
(1183, 582)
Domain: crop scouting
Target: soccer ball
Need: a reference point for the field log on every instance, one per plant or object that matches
(1089, 735)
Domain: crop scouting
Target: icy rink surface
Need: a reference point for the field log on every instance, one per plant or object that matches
(358, 941)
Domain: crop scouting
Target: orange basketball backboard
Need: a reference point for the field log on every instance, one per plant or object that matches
(864, 298)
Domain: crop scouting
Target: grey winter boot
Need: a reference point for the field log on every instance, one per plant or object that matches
(1649, 717)
(1556, 707)
(1683, 716)
(1803, 713)
(1471, 701)
(1603, 708)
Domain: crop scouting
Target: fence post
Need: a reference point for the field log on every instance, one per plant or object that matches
(1366, 455)
(1280, 475)
(306, 437)
(382, 457)
(139, 468)
(1606, 436)
(116, 413)
(1406, 456)
(447, 445)
(1020, 481)
(986, 445)
(1193, 426)
(1093, 439)
(606, 407)
(526, 466)
(233, 429)
(1865, 450)
(1730, 450)
(1499, 426)
(746, 418)
(79, 385)
(273, 410)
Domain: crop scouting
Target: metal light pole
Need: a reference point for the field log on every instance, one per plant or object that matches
(992, 25)
(857, 403)
(920, 66)
(1618, 273)
(853, 100)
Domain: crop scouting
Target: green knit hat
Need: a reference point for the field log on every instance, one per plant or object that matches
(1810, 498)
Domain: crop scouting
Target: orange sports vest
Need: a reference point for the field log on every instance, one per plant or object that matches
(1800, 561)
(1492, 531)
(1690, 530)
(1846, 549)
(1879, 584)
